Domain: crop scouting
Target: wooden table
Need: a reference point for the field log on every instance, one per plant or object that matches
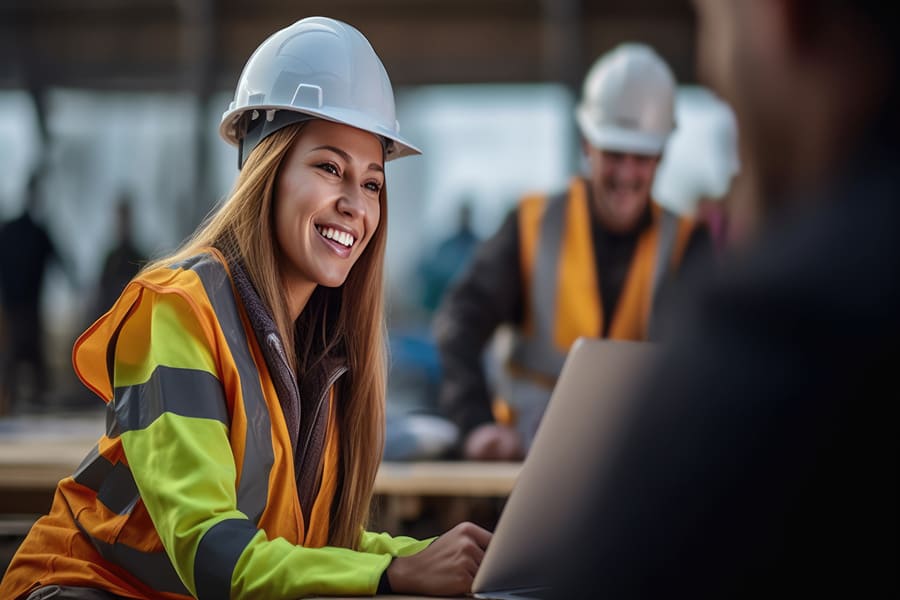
(36, 452)
(41, 464)
(447, 492)
(40, 452)
(434, 478)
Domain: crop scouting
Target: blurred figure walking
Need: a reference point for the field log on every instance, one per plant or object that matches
(26, 250)
(122, 262)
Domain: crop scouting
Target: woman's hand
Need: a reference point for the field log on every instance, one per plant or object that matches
(446, 567)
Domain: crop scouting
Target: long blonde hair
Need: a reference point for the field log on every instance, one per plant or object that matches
(348, 319)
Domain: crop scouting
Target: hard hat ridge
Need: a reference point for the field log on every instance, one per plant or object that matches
(628, 101)
(316, 68)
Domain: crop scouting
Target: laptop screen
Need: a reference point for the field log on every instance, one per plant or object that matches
(549, 501)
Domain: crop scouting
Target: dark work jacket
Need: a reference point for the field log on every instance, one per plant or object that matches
(491, 293)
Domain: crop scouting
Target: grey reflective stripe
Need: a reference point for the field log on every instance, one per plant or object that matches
(217, 554)
(259, 456)
(153, 568)
(93, 469)
(665, 246)
(192, 393)
(119, 491)
(537, 352)
(113, 483)
(184, 392)
(530, 401)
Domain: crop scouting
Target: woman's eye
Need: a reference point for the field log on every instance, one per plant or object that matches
(329, 167)
(373, 186)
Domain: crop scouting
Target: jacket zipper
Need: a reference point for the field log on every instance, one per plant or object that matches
(332, 379)
(275, 342)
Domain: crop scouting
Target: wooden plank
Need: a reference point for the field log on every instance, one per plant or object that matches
(437, 478)
(39, 464)
(27, 464)
(16, 525)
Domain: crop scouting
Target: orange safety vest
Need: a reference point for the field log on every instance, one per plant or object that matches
(562, 292)
(98, 533)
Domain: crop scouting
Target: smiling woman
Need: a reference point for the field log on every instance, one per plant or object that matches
(244, 375)
(327, 206)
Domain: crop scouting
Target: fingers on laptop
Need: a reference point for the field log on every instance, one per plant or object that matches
(481, 536)
(446, 567)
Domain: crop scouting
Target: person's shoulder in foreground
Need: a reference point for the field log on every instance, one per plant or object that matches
(762, 454)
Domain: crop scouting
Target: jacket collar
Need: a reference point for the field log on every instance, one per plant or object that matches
(304, 404)
(272, 346)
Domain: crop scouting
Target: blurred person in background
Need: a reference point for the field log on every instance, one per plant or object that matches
(26, 250)
(716, 192)
(762, 455)
(417, 433)
(722, 182)
(702, 166)
(713, 213)
(122, 262)
(441, 268)
(588, 261)
(245, 373)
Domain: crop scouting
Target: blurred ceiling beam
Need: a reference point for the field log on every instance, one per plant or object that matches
(562, 44)
(139, 44)
(197, 45)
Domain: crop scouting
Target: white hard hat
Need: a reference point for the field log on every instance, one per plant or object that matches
(315, 68)
(707, 129)
(628, 101)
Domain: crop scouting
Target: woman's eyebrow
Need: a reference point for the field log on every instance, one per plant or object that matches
(343, 154)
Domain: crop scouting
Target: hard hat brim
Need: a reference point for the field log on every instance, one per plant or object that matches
(620, 139)
(401, 146)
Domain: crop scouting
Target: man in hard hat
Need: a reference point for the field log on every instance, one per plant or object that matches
(584, 262)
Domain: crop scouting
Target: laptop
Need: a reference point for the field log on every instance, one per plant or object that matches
(549, 501)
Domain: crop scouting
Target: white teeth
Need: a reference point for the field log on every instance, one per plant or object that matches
(341, 237)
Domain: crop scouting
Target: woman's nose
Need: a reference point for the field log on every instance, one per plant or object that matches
(351, 202)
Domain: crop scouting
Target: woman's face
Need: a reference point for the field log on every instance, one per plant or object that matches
(326, 204)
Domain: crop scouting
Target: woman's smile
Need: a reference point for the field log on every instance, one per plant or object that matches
(327, 204)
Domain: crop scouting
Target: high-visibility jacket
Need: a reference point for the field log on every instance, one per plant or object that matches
(192, 490)
(563, 300)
